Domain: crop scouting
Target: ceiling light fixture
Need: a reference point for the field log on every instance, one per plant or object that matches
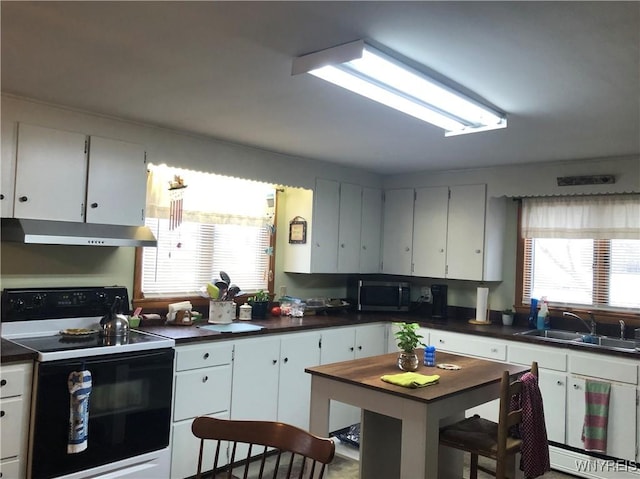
(362, 69)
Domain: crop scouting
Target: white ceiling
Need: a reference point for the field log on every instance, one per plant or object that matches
(566, 73)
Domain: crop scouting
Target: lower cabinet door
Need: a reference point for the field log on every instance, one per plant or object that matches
(185, 448)
(621, 430)
(553, 387)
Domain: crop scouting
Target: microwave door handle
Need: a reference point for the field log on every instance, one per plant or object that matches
(399, 296)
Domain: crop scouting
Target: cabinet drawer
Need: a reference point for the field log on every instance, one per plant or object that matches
(10, 423)
(547, 358)
(10, 468)
(202, 391)
(12, 381)
(203, 355)
(462, 344)
(612, 369)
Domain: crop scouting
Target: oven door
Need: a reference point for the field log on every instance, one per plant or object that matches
(129, 411)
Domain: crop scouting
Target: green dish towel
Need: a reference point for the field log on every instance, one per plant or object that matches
(410, 379)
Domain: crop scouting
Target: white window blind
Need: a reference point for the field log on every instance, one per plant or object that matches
(596, 266)
(226, 226)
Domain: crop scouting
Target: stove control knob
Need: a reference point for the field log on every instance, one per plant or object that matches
(38, 300)
(17, 304)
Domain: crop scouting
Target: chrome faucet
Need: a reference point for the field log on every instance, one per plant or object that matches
(622, 328)
(591, 326)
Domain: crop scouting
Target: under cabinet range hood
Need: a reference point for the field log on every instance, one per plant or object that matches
(31, 231)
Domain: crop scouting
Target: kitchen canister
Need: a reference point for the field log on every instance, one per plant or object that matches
(222, 312)
(245, 312)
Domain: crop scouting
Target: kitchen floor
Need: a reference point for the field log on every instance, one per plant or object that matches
(346, 468)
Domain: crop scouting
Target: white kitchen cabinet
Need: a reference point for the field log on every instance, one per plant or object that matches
(68, 176)
(397, 231)
(622, 418)
(297, 352)
(430, 232)
(7, 167)
(269, 382)
(344, 344)
(51, 174)
(202, 386)
(552, 380)
(15, 403)
(336, 219)
(349, 228)
(371, 231)
(486, 348)
(117, 182)
(453, 232)
(324, 239)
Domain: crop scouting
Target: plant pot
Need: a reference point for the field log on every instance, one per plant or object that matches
(408, 361)
(507, 319)
(259, 309)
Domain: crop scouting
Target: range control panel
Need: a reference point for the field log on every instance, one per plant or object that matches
(20, 304)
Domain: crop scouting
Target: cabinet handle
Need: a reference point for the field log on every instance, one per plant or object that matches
(94, 205)
(494, 350)
(23, 199)
(364, 247)
(359, 348)
(341, 245)
(205, 356)
(559, 383)
(477, 251)
(407, 249)
(286, 360)
(1, 413)
(275, 361)
(575, 386)
(441, 341)
(1, 198)
(442, 250)
(205, 379)
(3, 382)
(351, 348)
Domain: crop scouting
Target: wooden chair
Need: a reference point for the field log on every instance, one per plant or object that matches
(308, 454)
(481, 437)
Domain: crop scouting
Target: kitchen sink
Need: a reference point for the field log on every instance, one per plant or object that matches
(617, 343)
(558, 335)
(553, 334)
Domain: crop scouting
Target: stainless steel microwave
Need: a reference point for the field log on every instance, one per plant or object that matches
(380, 295)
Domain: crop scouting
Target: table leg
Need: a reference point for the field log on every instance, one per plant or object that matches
(319, 407)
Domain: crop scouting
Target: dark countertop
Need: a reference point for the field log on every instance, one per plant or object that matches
(193, 334)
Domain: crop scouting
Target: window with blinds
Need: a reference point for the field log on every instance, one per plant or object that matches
(582, 252)
(199, 235)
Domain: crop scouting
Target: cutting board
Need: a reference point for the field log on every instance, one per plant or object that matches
(232, 327)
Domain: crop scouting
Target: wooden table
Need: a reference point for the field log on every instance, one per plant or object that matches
(400, 426)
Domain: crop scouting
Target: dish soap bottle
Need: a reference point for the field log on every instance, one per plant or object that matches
(543, 315)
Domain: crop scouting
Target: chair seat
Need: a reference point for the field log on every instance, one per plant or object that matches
(476, 434)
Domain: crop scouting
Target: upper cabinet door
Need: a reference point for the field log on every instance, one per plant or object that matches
(7, 168)
(326, 207)
(116, 191)
(371, 231)
(51, 172)
(466, 232)
(349, 228)
(397, 231)
(430, 232)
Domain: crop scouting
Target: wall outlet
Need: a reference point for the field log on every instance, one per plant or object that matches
(283, 291)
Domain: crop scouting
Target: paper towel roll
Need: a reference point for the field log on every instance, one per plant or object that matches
(482, 301)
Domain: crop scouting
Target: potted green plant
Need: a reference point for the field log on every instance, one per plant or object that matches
(408, 339)
(259, 304)
(507, 316)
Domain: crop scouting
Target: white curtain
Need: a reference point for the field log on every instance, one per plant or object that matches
(209, 198)
(589, 217)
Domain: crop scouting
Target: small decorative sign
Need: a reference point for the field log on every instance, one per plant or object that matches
(298, 230)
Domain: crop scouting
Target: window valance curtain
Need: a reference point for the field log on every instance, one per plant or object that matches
(209, 198)
(589, 217)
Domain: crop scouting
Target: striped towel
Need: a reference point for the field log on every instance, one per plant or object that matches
(596, 415)
(79, 383)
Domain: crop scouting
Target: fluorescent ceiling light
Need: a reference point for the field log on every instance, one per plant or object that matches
(362, 69)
